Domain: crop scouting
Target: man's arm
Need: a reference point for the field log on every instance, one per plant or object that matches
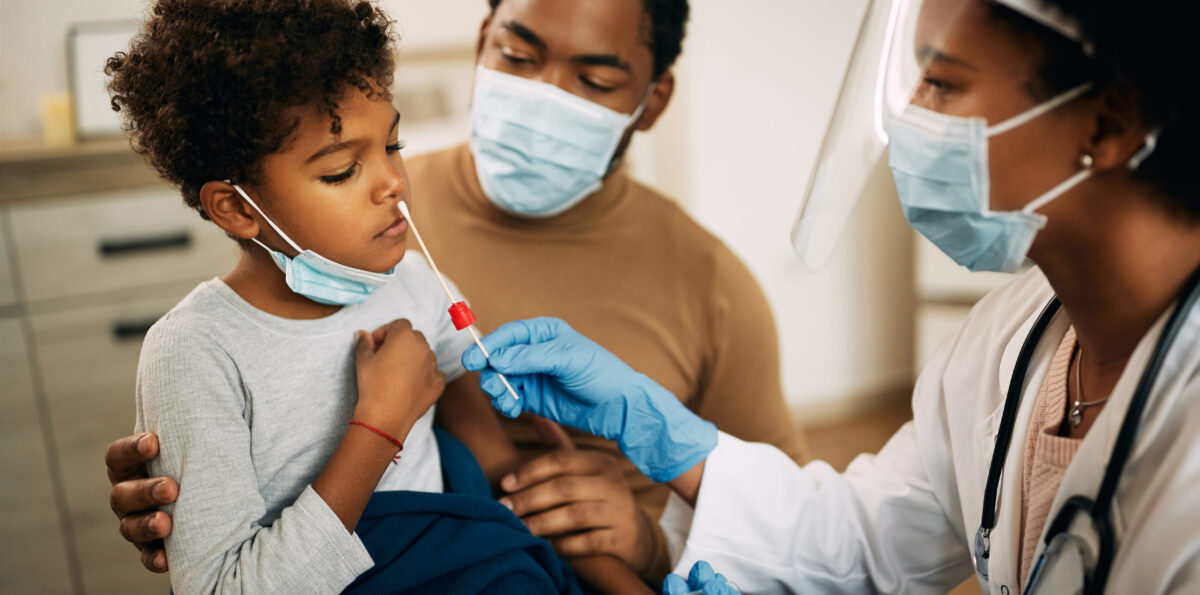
(742, 390)
(135, 497)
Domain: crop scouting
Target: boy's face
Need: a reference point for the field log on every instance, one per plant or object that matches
(338, 195)
(595, 50)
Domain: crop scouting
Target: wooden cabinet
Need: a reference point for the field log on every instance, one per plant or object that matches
(8, 294)
(87, 360)
(84, 271)
(33, 553)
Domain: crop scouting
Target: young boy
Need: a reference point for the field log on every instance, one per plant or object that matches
(279, 419)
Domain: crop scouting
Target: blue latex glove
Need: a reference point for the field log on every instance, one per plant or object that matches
(702, 579)
(565, 377)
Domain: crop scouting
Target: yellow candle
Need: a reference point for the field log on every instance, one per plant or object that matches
(58, 125)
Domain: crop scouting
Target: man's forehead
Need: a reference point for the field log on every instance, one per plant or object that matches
(577, 27)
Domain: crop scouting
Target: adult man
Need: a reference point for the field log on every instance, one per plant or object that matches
(535, 216)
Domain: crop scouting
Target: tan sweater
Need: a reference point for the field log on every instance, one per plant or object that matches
(629, 269)
(1047, 455)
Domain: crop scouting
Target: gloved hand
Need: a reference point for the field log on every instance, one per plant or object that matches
(702, 579)
(566, 377)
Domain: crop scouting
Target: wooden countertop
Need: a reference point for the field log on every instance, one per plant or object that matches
(31, 170)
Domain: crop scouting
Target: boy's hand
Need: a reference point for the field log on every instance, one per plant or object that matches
(135, 498)
(398, 378)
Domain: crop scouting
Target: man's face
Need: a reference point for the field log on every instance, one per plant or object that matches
(595, 49)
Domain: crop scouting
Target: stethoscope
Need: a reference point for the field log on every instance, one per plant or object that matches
(1100, 508)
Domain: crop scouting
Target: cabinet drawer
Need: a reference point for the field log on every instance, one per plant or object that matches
(8, 297)
(32, 553)
(131, 238)
(88, 364)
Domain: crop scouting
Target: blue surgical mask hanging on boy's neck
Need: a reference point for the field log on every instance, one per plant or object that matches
(316, 277)
(540, 150)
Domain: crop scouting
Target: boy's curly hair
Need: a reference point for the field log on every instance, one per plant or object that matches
(208, 86)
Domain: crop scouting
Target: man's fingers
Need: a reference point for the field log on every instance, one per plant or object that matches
(126, 457)
(574, 517)
(552, 434)
(557, 492)
(553, 464)
(154, 558)
(146, 528)
(142, 495)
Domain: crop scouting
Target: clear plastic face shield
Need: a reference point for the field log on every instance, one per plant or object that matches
(898, 40)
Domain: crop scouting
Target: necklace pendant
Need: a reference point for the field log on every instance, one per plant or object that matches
(1076, 415)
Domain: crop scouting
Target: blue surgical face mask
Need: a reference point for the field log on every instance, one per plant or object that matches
(540, 150)
(940, 164)
(316, 277)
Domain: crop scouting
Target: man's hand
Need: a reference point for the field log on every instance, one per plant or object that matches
(580, 502)
(135, 498)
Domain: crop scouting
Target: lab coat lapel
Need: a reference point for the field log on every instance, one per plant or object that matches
(1006, 538)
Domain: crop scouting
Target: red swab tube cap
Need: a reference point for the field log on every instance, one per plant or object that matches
(461, 315)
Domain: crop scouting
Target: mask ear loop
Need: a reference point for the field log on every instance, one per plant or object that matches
(1134, 163)
(1062, 188)
(1146, 151)
(633, 120)
(268, 219)
(1039, 111)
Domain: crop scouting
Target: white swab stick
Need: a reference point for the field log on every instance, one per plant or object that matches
(471, 329)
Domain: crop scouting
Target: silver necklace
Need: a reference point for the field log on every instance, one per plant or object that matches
(1080, 404)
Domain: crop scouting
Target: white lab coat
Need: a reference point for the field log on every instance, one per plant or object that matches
(903, 521)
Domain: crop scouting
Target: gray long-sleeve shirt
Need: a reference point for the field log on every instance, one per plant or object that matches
(249, 408)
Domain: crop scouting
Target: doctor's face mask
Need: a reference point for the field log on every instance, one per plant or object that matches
(940, 148)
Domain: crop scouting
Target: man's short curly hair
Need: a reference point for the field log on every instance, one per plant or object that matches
(208, 87)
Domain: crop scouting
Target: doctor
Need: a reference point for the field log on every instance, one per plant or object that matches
(1054, 442)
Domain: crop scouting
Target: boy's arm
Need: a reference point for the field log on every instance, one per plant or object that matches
(607, 574)
(466, 413)
(189, 392)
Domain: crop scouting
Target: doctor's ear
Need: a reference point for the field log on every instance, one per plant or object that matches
(225, 207)
(1119, 129)
(664, 88)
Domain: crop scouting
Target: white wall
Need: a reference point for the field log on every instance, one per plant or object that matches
(760, 81)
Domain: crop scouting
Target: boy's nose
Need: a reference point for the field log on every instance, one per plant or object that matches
(391, 186)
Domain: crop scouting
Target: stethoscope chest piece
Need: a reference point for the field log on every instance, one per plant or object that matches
(983, 551)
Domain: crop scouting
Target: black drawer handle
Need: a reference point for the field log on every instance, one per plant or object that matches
(123, 246)
(132, 330)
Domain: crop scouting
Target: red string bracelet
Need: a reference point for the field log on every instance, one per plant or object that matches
(398, 444)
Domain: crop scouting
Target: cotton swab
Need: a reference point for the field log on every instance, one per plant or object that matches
(460, 313)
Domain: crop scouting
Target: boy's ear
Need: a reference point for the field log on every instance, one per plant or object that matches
(228, 210)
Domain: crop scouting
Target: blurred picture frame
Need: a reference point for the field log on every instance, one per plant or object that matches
(89, 45)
